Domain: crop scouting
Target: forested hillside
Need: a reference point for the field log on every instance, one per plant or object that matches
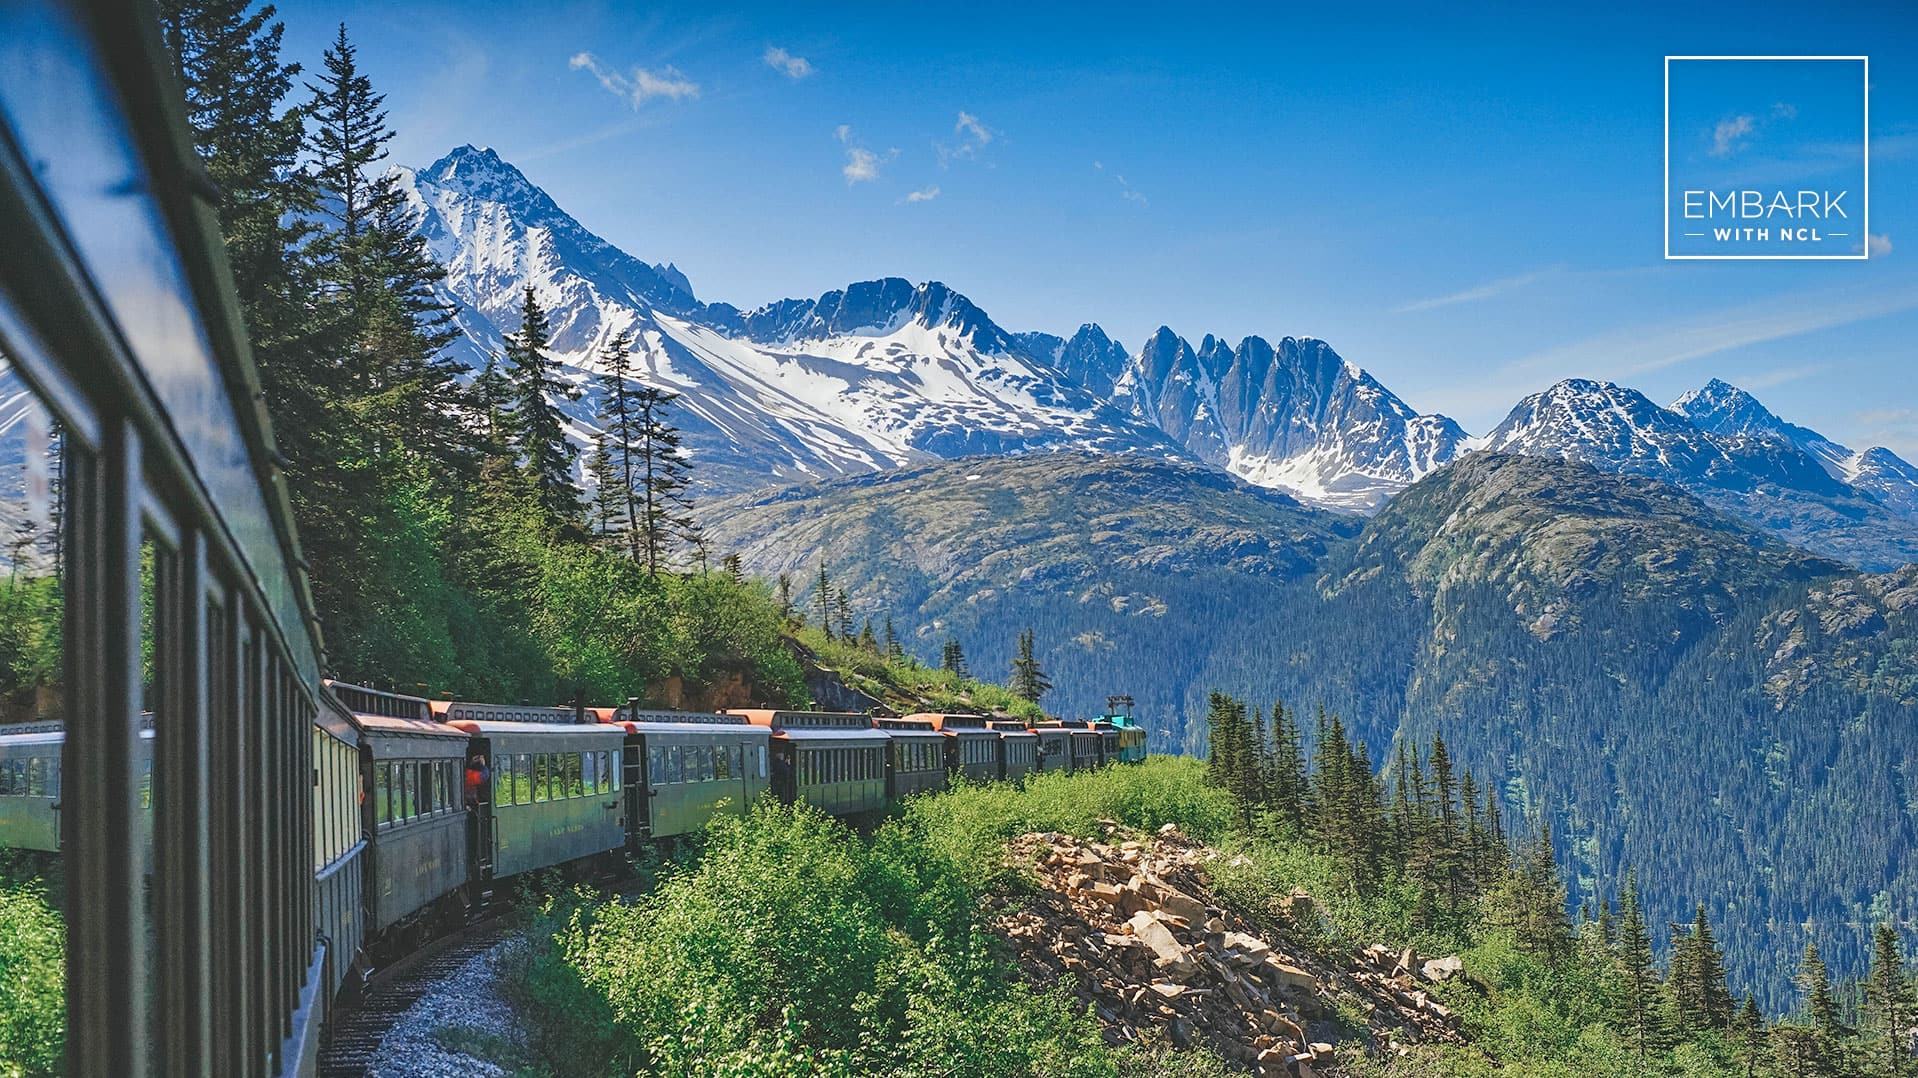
(1675, 691)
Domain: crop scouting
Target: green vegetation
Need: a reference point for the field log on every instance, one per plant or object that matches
(30, 619)
(793, 945)
(32, 974)
(903, 683)
(1676, 692)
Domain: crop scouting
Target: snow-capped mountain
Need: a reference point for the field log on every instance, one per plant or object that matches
(878, 374)
(1294, 416)
(1739, 461)
(1726, 411)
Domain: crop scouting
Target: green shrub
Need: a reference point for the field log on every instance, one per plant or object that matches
(32, 982)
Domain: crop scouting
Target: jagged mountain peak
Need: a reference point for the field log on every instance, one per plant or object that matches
(875, 308)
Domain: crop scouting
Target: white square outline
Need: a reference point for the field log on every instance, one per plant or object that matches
(1665, 207)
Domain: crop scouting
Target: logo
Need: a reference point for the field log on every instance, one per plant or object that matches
(1767, 158)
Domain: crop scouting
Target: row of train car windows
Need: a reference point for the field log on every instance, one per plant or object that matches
(670, 764)
(822, 766)
(336, 817)
(36, 776)
(406, 790)
(1021, 750)
(526, 778)
(978, 750)
(918, 756)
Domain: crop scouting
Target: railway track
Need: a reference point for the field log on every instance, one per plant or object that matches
(358, 1027)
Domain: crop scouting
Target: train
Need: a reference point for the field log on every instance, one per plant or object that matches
(423, 808)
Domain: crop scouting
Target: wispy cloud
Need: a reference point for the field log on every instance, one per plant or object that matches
(1729, 136)
(1656, 347)
(793, 67)
(1126, 190)
(972, 134)
(1769, 379)
(1471, 295)
(862, 164)
(1894, 428)
(641, 85)
(1877, 244)
(924, 194)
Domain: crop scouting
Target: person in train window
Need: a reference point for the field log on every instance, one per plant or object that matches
(476, 773)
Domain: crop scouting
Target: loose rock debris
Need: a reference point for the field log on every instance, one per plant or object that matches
(1128, 925)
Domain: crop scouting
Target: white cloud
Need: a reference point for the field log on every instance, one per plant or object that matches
(1877, 244)
(640, 86)
(793, 67)
(843, 132)
(924, 194)
(1484, 291)
(861, 165)
(1784, 111)
(1730, 133)
(973, 136)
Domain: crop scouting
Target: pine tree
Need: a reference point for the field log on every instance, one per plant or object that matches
(666, 517)
(1889, 995)
(346, 136)
(867, 640)
(822, 599)
(952, 658)
(493, 397)
(842, 609)
(538, 428)
(619, 423)
(733, 567)
(1703, 1002)
(893, 651)
(1821, 1006)
(1289, 779)
(1638, 1014)
(608, 515)
(1748, 1036)
(786, 598)
(1447, 842)
(1029, 682)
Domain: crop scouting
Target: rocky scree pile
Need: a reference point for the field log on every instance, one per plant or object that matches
(1129, 926)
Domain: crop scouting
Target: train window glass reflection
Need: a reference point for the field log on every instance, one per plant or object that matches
(655, 765)
(539, 777)
(575, 782)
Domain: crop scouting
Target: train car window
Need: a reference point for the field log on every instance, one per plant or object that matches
(655, 765)
(590, 780)
(739, 761)
(523, 779)
(539, 777)
(575, 781)
(722, 764)
(6, 778)
(53, 777)
(36, 776)
(762, 761)
(428, 800)
(618, 761)
(382, 815)
(502, 779)
(707, 770)
(410, 791)
(606, 760)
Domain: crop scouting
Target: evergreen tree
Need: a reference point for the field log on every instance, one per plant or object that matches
(1821, 1006)
(538, 428)
(1447, 840)
(493, 397)
(1529, 902)
(867, 640)
(1703, 1002)
(842, 609)
(1029, 682)
(1748, 1037)
(346, 135)
(608, 516)
(1888, 993)
(734, 567)
(1289, 779)
(893, 651)
(619, 424)
(663, 483)
(952, 658)
(227, 53)
(1638, 1015)
(785, 598)
(822, 599)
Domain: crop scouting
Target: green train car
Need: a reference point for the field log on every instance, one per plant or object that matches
(916, 763)
(30, 786)
(833, 761)
(555, 795)
(1055, 746)
(682, 768)
(1018, 749)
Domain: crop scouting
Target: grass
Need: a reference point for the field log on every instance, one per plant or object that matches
(32, 975)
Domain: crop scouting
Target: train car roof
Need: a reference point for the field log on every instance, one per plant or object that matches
(542, 730)
(359, 700)
(529, 714)
(953, 722)
(685, 729)
(780, 719)
(1010, 728)
(381, 726)
(32, 737)
(814, 733)
(896, 726)
(663, 716)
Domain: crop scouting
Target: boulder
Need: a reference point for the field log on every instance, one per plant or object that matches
(1442, 969)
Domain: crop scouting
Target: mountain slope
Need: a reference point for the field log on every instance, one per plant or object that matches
(879, 374)
(1724, 410)
(1733, 462)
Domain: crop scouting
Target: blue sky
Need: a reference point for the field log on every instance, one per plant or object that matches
(1467, 205)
